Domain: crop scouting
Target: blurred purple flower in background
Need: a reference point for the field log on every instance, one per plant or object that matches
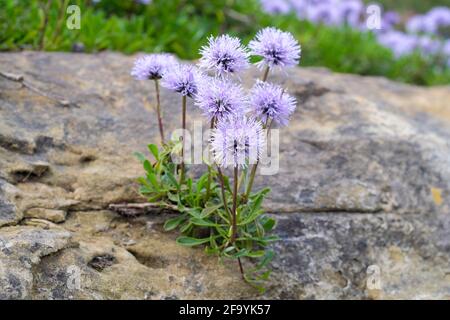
(353, 13)
(270, 101)
(237, 141)
(428, 46)
(152, 66)
(390, 20)
(325, 13)
(224, 55)
(277, 48)
(183, 79)
(276, 7)
(218, 98)
(399, 42)
(350, 12)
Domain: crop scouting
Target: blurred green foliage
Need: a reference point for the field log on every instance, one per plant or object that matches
(182, 27)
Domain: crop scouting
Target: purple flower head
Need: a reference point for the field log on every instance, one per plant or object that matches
(390, 19)
(219, 98)
(438, 17)
(300, 8)
(152, 66)
(446, 48)
(277, 48)
(350, 12)
(325, 13)
(276, 6)
(428, 46)
(183, 79)
(237, 141)
(224, 55)
(400, 43)
(270, 101)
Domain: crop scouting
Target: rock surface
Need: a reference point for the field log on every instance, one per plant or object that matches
(362, 196)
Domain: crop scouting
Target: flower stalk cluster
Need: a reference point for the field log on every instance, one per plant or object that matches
(239, 119)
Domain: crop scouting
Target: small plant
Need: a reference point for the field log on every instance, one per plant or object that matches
(219, 212)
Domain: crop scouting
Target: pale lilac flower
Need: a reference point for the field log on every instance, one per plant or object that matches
(183, 79)
(218, 98)
(152, 66)
(350, 12)
(438, 17)
(224, 55)
(270, 101)
(400, 43)
(428, 46)
(237, 141)
(446, 48)
(390, 19)
(277, 48)
(300, 8)
(275, 6)
(324, 13)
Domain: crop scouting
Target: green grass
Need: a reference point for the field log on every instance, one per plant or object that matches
(182, 26)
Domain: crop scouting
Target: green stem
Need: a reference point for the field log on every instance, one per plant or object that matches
(183, 124)
(208, 185)
(250, 181)
(222, 188)
(46, 10)
(267, 125)
(158, 111)
(235, 191)
(241, 268)
(266, 74)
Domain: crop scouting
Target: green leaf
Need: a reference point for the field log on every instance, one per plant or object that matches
(208, 210)
(268, 224)
(186, 227)
(195, 212)
(256, 254)
(172, 179)
(203, 223)
(267, 258)
(173, 223)
(143, 181)
(148, 166)
(190, 242)
(140, 156)
(251, 217)
(152, 178)
(154, 151)
(173, 197)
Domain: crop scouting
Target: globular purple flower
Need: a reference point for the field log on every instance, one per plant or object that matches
(428, 46)
(324, 13)
(224, 55)
(400, 43)
(270, 101)
(183, 79)
(390, 19)
(350, 12)
(420, 23)
(438, 17)
(152, 66)
(277, 48)
(219, 98)
(276, 6)
(237, 141)
(300, 7)
(446, 48)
